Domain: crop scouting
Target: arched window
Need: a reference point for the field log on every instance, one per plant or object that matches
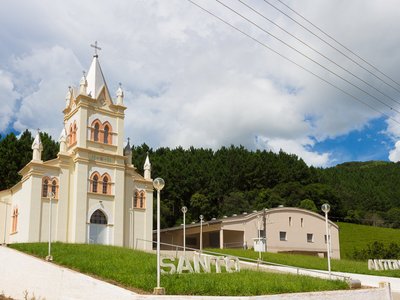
(106, 133)
(94, 184)
(135, 199)
(96, 132)
(54, 188)
(45, 188)
(142, 199)
(75, 130)
(98, 217)
(105, 185)
(14, 226)
(71, 135)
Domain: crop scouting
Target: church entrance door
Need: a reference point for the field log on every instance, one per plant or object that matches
(98, 231)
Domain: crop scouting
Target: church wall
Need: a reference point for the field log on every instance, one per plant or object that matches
(149, 217)
(34, 192)
(62, 205)
(119, 207)
(128, 212)
(44, 222)
(143, 218)
(5, 216)
(82, 115)
(120, 137)
(79, 203)
(102, 118)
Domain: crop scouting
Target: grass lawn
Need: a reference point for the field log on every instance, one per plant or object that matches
(354, 236)
(311, 262)
(137, 270)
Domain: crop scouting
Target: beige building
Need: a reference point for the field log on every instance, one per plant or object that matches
(288, 230)
(97, 195)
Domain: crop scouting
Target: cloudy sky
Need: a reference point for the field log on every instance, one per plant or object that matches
(189, 79)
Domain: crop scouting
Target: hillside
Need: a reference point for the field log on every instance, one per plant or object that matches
(356, 237)
(235, 180)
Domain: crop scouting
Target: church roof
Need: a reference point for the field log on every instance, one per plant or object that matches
(95, 79)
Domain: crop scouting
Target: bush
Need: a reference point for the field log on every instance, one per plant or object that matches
(378, 250)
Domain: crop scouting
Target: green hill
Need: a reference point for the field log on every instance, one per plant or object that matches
(354, 236)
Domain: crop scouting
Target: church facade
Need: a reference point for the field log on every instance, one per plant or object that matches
(90, 193)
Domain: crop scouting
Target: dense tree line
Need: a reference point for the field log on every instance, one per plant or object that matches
(233, 180)
(15, 153)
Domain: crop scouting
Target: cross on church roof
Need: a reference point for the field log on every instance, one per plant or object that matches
(95, 48)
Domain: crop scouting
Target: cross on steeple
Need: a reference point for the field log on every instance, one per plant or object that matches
(95, 48)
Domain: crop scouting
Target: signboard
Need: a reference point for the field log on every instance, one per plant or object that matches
(201, 263)
(383, 264)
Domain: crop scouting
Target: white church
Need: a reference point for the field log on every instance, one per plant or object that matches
(94, 192)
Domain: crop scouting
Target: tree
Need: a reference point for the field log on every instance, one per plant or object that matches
(308, 204)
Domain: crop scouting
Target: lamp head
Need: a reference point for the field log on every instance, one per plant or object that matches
(326, 208)
(158, 183)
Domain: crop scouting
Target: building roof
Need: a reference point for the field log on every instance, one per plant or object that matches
(96, 80)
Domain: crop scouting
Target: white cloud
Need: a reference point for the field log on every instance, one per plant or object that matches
(10, 97)
(394, 154)
(190, 79)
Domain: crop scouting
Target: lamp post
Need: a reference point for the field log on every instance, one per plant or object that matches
(158, 184)
(184, 210)
(201, 232)
(326, 208)
(49, 257)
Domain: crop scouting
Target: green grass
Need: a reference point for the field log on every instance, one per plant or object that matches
(354, 236)
(137, 270)
(311, 262)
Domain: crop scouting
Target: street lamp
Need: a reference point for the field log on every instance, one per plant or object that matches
(158, 184)
(184, 210)
(49, 257)
(326, 208)
(201, 232)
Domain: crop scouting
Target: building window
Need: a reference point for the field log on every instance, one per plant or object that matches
(54, 188)
(96, 132)
(310, 238)
(75, 130)
(282, 235)
(301, 222)
(290, 221)
(101, 132)
(14, 217)
(45, 188)
(94, 183)
(105, 185)
(106, 130)
(139, 200)
(100, 184)
(72, 133)
(49, 185)
(326, 240)
(98, 217)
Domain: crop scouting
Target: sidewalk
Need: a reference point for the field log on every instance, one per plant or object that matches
(21, 273)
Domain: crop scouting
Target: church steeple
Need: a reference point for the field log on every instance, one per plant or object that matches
(128, 153)
(37, 148)
(63, 141)
(83, 85)
(147, 168)
(120, 95)
(95, 78)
